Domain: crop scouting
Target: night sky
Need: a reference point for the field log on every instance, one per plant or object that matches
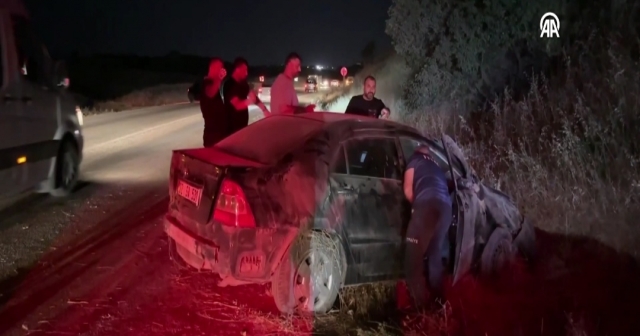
(328, 32)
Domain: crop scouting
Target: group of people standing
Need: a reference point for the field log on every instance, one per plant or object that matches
(225, 103)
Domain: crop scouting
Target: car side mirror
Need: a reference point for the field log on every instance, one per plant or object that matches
(61, 75)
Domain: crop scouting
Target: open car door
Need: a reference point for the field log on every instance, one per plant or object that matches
(468, 207)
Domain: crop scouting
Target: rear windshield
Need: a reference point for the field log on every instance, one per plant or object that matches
(268, 140)
(311, 81)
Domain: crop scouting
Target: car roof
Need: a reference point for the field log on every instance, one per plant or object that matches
(365, 122)
(286, 131)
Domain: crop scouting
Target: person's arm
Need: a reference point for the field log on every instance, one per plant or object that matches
(408, 184)
(263, 107)
(240, 104)
(385, 112)
(294, 106)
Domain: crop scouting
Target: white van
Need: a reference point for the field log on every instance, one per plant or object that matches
(40, 126)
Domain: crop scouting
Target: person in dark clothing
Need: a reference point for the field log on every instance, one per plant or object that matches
(367, 104)
(216, 121)
(427, 188)
(238, 95)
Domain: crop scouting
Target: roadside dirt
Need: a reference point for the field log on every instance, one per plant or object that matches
(119, 280)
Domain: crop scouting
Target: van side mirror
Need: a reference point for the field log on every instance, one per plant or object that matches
(61, 75)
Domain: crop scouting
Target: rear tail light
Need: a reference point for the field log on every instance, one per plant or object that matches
(232, 208)
(177, 164)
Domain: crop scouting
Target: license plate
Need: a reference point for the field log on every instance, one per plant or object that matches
(189, 192)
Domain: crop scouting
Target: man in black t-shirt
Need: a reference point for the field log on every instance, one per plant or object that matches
(214, 113)
(238, 95)
(367, 104)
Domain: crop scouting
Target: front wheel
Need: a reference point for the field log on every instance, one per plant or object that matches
(67, 169)
(498, 253)
(309, 276)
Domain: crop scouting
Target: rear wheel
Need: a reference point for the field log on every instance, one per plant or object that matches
(309, 277)
(67, 169)
(498, 253)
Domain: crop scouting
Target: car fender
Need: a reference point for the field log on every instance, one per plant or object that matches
(283, 248)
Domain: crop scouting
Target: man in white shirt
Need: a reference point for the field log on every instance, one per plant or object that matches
(284, 99)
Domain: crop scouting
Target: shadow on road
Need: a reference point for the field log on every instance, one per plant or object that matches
(31, 201)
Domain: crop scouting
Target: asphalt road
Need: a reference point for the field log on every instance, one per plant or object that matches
(71, 265)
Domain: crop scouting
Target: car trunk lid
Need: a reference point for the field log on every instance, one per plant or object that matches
(195, 179)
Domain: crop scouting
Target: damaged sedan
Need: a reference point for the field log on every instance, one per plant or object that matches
(314, 202)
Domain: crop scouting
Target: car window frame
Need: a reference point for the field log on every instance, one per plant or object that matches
(34, 49)
(343, 151)
(441, 155)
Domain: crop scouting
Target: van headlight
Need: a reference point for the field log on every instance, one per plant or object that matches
(79, 115)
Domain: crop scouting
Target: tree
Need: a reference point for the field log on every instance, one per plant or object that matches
(445, 42)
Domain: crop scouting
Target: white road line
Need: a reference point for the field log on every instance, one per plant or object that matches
(146, 130)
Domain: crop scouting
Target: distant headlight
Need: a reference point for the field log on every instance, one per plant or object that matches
(79, 115)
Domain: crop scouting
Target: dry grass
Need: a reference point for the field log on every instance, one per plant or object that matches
(568, 153)
(153, 96)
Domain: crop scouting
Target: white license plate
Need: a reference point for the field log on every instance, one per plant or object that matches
(189, 192)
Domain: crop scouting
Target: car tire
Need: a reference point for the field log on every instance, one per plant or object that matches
(498, 253)
(313, 257)
(67, 169)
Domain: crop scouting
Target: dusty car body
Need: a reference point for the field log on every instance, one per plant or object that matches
(311, 203)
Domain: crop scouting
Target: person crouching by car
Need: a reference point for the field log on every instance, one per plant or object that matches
(426, 188)
(216, 121)
(367, 104)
